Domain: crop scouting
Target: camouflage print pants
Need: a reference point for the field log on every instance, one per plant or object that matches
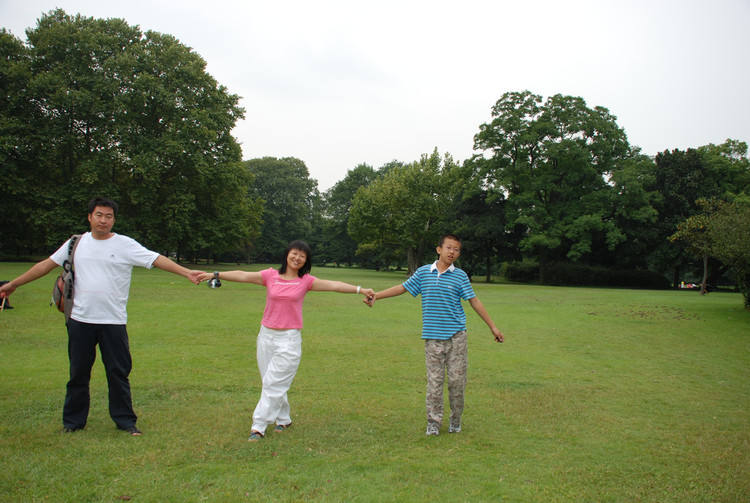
(450, 354)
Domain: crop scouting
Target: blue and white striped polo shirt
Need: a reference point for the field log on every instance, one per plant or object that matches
(442, 313)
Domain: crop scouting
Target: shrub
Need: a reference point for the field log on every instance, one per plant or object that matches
(566, 274)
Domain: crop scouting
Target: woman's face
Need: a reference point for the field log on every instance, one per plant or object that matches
(296, 259)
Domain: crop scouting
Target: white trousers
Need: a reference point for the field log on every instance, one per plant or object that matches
(279, 353)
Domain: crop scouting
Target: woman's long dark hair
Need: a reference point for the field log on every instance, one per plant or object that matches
(303, 247)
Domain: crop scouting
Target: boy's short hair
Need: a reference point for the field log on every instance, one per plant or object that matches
(448, 236)
(102, 201)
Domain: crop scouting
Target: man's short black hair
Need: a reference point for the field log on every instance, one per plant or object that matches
(102, 201)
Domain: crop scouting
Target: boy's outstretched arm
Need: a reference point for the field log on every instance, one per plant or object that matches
(477, 305)
(384, 294)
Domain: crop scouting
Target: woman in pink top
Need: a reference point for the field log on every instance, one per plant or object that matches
(279, 347)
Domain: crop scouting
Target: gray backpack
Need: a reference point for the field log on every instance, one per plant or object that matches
(62, 291)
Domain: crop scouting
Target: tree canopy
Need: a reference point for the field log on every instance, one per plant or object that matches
(722, 231)
(100, 108)
(405, 210)
(339, 199)
(288, 195)
(552, 161)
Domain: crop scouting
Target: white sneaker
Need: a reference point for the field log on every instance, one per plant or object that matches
(432, 429)
(454, 428)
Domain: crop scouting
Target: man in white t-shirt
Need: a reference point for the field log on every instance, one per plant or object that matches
(103, 261)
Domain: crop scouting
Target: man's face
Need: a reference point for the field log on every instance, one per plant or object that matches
(102, 219)
(449, 251)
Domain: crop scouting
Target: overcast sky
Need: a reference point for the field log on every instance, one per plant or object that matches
(340, 83)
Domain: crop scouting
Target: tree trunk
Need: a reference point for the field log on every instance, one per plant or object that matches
(413, 261)
(488, 264)
(542, 264)
(705, 275)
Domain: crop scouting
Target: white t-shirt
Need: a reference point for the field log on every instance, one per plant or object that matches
(102, 276)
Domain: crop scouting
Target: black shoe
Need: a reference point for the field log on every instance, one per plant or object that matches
(68, 429)
(132, 429)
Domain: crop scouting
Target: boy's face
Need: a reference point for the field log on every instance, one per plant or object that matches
(449, 251)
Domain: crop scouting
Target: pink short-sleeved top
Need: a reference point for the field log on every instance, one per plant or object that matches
(284, 299)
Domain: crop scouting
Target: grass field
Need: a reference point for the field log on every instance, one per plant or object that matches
(597, 395)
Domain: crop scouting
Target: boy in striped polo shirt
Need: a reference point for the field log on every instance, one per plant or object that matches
(443, 286)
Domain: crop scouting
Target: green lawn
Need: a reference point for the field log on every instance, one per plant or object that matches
(596, 395)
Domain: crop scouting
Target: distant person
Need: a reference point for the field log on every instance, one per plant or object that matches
(279, 346)
(103, 265)
(443, 286)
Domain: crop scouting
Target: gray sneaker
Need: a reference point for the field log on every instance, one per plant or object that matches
(432, 429)
(455, 427)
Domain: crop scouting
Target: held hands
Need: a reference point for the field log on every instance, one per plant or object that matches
(369, 293)
(201, 276)
(198, 276)
(370, 299)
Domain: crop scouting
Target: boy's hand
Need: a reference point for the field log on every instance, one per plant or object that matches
(498, 335)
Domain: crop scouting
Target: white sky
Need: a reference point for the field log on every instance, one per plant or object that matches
(339, 83)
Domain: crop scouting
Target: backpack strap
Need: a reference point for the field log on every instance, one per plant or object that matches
(68, 266)
(74, 240)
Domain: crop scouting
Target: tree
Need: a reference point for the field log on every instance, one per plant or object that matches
(19, 172)
(552, 162)
(478, 216)
(721, 230)
(729, 230)
(405, 209)
(728, 166)
(633, 203)
(697, 241)
(339, 246)
(685, 177)
(135, 117)
(289, 196)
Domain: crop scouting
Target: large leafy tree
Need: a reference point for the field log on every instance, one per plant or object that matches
(686, 180)
(729, 231)
(551, 160)
(729, 167)
(135, 117)
(339, 246)
(682, 179)
(721, 230)
(20, 173)
(406, 208)
(290, 200)
(633, 203)
(478, 216)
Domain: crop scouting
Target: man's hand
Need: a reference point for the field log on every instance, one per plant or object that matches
(6, 290)
(194, 276)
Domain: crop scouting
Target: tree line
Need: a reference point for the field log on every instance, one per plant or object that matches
(554, 191)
